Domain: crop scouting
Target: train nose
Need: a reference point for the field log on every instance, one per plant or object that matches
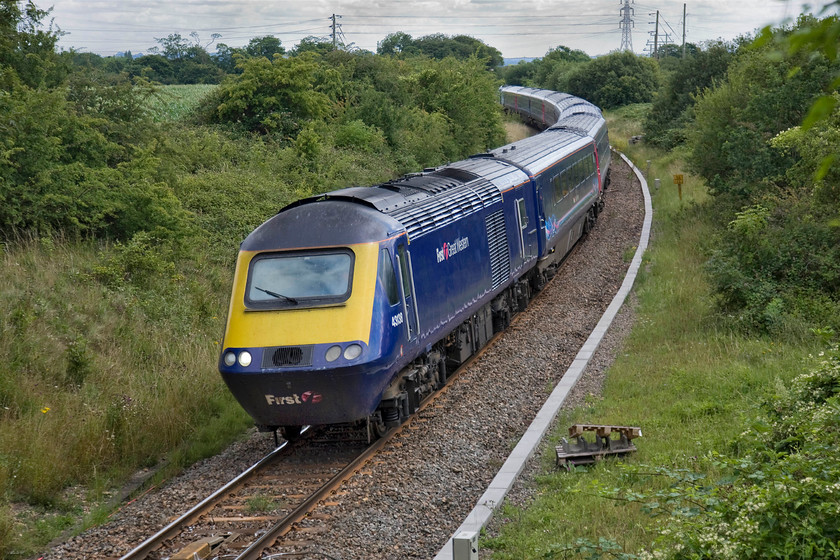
(317, 384)
(306, 397)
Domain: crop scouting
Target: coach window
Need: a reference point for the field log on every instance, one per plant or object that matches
(556, 187)
(388, 277)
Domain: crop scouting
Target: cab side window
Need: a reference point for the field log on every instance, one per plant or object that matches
(388, 277)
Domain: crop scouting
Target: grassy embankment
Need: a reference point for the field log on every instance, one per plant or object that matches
(110, 351)
(687, 379)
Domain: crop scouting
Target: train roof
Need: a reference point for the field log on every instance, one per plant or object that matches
(302, 226)
(422, 202)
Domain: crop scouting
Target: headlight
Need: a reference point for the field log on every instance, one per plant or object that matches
(230, 359)
(352, 352)
(333, 353)
(245, 359)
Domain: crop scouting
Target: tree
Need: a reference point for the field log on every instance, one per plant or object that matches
(27, 48)
(274, 96)
(614, 80)
(519, 74)
(266, 46)
(776, 267)
(226, 57)
(396, 43)
(668, 120)
(317, 45)
(173, 47)
(762, 95)
(440, 46)
(820, 36)
(179, 62)
(152, 67)
(553, 70)
(465, 93)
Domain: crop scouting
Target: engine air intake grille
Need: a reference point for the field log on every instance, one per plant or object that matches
(499, 253)
(287, 356)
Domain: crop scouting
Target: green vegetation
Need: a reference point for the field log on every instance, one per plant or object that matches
(260, 503)
(440, 46)
(177, 102)
(690, 381)
(732, 368)
(665, 125)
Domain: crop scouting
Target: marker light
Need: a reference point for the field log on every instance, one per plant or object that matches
(245, 359)
(352, 352)
(230, 359)
(333, 353)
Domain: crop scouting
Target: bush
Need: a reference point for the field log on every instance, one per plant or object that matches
(773, 263)
(615, 80)
(764, 93)
(274, 96)
(357, 135)
(671, 114)
(68, 163)
(465, 94)
(781, 496)
(776, 267)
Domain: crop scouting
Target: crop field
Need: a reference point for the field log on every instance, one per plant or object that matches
(174, 102)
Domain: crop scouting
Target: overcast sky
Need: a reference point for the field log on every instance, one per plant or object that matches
(521, 28)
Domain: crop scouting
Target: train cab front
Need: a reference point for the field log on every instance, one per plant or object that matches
(304, 342)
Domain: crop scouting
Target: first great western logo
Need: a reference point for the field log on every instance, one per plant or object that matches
(450, 249)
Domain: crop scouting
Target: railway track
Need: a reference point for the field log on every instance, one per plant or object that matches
(261, 501)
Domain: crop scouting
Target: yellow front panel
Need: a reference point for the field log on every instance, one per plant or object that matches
(293, 327)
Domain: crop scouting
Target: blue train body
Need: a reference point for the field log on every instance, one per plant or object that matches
(352, 305)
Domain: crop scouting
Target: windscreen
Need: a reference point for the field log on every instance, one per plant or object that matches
(299, 279)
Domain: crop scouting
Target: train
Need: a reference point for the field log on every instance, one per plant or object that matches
(351, 306)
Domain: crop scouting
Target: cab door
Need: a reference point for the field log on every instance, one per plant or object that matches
(409, 299)
(526, 222)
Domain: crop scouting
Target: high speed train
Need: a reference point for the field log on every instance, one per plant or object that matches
(351, 306)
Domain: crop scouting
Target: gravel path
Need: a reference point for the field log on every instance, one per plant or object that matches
(407, 504)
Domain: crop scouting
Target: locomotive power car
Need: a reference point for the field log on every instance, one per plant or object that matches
(351, 306)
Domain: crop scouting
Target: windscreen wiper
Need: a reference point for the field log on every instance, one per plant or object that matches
(275, 294)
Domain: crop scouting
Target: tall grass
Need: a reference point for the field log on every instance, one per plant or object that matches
(100, 378)
(683, 376)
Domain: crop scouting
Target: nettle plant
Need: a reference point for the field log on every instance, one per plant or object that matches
(778, 494)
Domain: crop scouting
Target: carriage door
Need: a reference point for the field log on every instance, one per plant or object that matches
(409, 300)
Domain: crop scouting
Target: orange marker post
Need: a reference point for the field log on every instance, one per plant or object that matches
(678, 180)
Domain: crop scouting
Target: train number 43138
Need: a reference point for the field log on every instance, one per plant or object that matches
(397, 320)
